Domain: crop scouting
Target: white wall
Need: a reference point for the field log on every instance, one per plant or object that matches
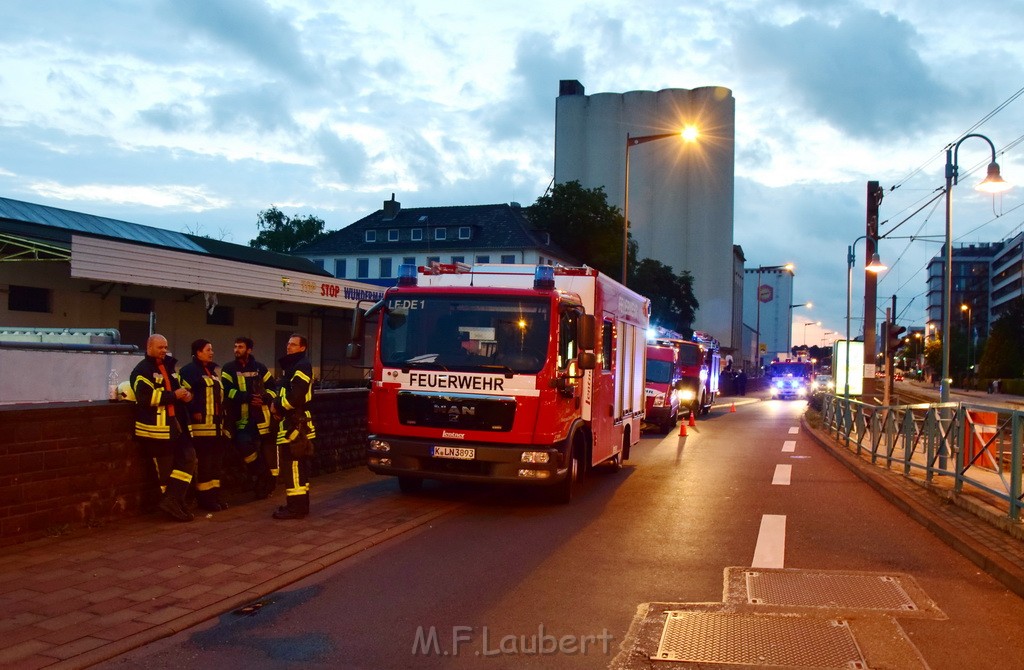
(31, 376)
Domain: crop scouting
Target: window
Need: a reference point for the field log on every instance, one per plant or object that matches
(362, 268)
(339, 268)
(568, 348)
(433, 259)
(409, 260)
(508, 258)
(416, 235)
(392, 235)
(464, 232)
(483, 259)
(370, 236)
(458, 259)
(29, 299)
(133, 305)
(222, 316)
(319, 262)
(440, 234)
(385, 268)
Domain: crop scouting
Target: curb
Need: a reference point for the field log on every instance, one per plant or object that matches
(985, 557)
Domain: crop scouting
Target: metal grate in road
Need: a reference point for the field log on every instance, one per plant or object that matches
(877, 592)
(759, 640)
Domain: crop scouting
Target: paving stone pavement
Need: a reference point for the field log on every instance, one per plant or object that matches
(74, 601)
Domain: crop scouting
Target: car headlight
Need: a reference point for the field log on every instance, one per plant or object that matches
(686, 395)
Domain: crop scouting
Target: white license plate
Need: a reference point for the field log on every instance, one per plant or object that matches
(461, 453)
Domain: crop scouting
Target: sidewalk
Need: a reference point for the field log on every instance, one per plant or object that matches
(71, 602)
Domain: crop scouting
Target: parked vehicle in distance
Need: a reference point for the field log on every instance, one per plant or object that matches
(823, 383)
(700, 364)
(663, 378)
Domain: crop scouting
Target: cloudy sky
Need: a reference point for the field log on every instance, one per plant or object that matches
(194, 115)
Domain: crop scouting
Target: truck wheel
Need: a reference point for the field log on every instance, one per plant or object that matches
(563, 490)
(409, 484)
(669, 424)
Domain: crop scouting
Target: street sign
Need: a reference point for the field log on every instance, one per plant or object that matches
(764, 348)
(765, 293)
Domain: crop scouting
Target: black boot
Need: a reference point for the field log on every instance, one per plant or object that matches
(175, 509)
(295, 509)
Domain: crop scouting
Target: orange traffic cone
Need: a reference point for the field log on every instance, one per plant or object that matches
(732, 408)
(693, 421)
(682, 429)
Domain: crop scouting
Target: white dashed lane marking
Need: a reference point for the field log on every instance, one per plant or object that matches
(770, 551)
(794, 430)
(789, 446)
(783, 472)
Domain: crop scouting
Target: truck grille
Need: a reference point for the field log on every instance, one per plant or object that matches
(490, 413)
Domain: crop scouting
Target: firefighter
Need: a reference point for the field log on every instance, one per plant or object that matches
(160, 417)
(248, 394)
(206, 423)
(295, 432)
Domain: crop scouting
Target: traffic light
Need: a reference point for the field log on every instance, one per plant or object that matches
(893, 336)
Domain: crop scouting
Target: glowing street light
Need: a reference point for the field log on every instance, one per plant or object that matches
(689, 133)
(993, 183)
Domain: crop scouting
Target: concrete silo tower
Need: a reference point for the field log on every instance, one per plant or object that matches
(680, 193)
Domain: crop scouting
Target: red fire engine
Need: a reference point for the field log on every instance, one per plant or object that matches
(504, 373)
(700, 366)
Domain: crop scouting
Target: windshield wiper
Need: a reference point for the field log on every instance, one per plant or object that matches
(506, 370)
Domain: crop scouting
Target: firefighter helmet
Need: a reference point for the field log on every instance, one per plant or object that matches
(125, 392)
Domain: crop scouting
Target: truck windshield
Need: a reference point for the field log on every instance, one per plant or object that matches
(789, 369)
(659, 372)
(465, 332)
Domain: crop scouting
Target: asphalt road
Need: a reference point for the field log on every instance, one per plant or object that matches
(511, 577)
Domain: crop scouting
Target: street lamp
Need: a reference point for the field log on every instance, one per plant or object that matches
(809, 323)
(993, 183)
(970, 336)
(689, 134)
(874, 266)
(789, 331)
(757, 295)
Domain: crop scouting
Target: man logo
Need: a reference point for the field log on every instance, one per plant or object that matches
(454, 412)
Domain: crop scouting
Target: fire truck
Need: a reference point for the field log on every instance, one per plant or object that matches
(514, 374)
(700, 366)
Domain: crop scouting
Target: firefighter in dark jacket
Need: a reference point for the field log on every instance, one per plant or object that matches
(248, 394)
(206, 423)
(160, 425)
(295, 433)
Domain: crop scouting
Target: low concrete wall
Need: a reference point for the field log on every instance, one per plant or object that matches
(68, 464)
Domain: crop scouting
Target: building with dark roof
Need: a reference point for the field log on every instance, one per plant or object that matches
(371, 249)
(63, 270)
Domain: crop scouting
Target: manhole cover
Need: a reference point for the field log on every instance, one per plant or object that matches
(833, 590)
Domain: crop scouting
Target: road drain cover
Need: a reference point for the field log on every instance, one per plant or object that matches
(832, 590)
(760, 640)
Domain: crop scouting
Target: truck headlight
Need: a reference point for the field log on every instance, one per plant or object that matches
(686, 395)
(381, 446)
(535, 457)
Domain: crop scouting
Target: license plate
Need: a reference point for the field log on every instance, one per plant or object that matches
(461, 453)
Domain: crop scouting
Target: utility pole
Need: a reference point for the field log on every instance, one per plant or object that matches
(874, 199)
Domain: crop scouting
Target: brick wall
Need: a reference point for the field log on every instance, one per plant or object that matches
(73, 464)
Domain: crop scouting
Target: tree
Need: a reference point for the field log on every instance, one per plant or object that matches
(673, 304)
(279, 232)
(1003, 355)
(581, 221)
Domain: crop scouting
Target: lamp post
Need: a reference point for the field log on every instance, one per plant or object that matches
(993, 183)
(809, 323)
(689, 134)
(875, 265)
(757, 295)
(808, 305)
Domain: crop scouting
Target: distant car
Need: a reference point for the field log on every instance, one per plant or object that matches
(898, 376)
(823, 383)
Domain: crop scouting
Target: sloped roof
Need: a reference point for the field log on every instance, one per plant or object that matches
(58, 225)
(501, 226)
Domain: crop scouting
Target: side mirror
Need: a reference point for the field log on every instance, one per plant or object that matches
(585, 332)
(354, 351)
(358, 325)
(587, 360)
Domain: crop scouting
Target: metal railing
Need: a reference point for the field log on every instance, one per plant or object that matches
(973, 444)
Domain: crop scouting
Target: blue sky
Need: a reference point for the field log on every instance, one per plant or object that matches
(195, 116)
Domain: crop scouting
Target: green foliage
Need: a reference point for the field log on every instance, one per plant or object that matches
(1004, 350)
(673, 304)
(933, 356)
(279, 232)
(581, 221)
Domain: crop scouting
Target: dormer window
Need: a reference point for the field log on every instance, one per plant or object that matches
(440, 234)
(416, 235)
(370, 236)
(464, 232)
(392, 235)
